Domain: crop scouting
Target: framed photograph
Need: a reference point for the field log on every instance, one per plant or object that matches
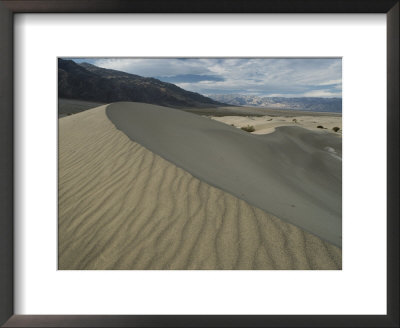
(165, 163)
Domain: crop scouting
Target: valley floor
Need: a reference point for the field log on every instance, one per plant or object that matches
(267, 124)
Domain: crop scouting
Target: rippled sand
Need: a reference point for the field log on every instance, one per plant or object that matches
(293, 173)
(123, 207)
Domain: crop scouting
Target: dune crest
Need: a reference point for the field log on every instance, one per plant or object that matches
(288, 173)
(123, 207)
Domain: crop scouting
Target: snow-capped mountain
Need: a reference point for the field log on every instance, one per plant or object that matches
(313, 104)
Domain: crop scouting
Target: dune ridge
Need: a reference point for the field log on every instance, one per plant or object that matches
(123, 207)
(290, 173)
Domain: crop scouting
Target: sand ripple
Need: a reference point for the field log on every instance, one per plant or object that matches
(123, 207)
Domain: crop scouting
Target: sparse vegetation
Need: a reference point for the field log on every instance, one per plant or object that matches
(294, 120)
(336, 129)
(320, 127)
(248, 128)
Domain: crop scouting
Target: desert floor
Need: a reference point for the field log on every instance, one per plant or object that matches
(267, 124)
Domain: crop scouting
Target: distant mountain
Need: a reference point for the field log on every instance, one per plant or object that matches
(91, 83)
(312, 104)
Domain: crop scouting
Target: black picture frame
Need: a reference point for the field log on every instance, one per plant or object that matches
(10, 7)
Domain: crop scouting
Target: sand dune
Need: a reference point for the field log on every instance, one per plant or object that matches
(267, 124)
(293, 173)
(123, 207)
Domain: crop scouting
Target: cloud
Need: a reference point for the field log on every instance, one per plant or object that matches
(256, 76)
(189, 78)
(314, 93)
(156, 66)
(332, 82)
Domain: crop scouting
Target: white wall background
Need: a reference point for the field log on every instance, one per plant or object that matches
(360, 288)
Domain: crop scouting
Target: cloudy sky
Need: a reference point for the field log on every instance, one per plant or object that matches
(305, 77)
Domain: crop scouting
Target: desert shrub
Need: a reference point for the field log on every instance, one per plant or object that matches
(336, 129)
(294, 120)
(320, 127)
(248, 128)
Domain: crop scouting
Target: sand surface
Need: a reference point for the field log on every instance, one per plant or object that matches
(267, 124)
(123, 207)
(293, 173)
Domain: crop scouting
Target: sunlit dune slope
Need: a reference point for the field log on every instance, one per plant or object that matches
(293, 173)
(121, 206)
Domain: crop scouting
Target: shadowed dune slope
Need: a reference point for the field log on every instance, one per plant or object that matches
(293, 173)
(123, 207)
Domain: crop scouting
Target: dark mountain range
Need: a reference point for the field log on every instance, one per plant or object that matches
(312, 104)
(91, 83)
